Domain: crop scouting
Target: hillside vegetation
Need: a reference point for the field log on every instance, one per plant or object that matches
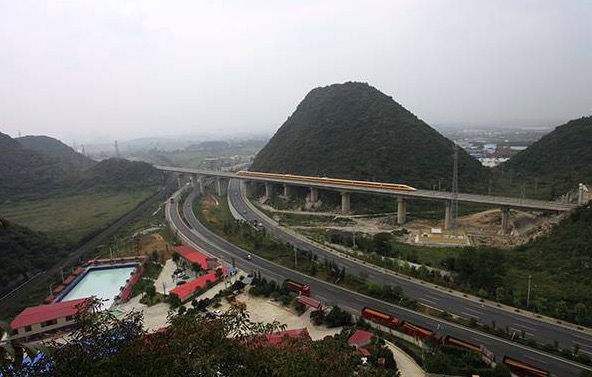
(24, 171)
(54, 148)
(24, 253)
(560, 159)
(352, 130)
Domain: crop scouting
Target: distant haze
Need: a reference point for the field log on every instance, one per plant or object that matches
(113, 69)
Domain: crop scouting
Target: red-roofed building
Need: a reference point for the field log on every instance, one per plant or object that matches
(277, 337)
(364, 352)
(189, 256)
(186, 290)
(360, 338)
(46, 318)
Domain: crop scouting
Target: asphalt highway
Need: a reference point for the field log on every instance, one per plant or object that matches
(331, 294)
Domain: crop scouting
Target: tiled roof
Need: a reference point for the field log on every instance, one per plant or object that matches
(42, 313)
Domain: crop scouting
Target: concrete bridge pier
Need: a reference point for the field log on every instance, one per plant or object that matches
(345, 202)
(179, 181)
(401, 210)
(287, 191)
(246, 187)
(448, 215)
(314, 195)
(193, 180)
(268, 191)
(219, 186)
(505, 219)
(200, 185)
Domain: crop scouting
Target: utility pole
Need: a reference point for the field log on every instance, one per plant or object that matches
(528, 292)
(295, 257)
(454, 196)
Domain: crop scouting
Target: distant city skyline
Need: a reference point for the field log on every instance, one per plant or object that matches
(82, 71)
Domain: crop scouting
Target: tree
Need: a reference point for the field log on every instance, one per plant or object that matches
(581, 313)
(196, 268)
(174, 301)
(176, 257)
(561, 309)
(192, 344)
(150, 290)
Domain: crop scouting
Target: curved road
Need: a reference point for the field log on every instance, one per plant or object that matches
(331, 294)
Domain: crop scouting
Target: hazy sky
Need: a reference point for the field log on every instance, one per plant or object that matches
(133, 68)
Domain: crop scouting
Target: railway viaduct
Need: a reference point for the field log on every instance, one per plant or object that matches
(401, 193)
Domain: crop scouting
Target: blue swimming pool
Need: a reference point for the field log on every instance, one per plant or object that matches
(104, 282)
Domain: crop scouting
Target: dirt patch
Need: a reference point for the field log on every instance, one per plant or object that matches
(155, 243)
(483, 228)
(209, 204)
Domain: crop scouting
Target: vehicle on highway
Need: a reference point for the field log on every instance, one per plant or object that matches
(181, 282)
(248, 256)
(297, 287)
(523, 369)
(379, 317)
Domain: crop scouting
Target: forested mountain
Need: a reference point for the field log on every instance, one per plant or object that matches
(55, 148)
(352, 130)
(562, 157)
(119, 173)
(23, 170)
(51, 166)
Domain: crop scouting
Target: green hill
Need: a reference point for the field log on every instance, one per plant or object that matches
(354, 131)
(54, 148)
(119, 173)
(23, 171)
(562, 158)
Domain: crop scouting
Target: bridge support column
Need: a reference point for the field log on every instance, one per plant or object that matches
(447, 215)
(314, 194)
(345, 202)
(179, 181)
(219, 186)
(505, 219)
(200, 184)
(193, 179)
(581, 189)
(246, 187)
(287, 191)
(268, 191)
(401, 210)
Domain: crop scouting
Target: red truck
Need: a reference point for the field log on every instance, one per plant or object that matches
(297, 287)
(379, 317)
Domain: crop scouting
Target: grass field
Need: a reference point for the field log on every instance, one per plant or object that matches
(72, 217)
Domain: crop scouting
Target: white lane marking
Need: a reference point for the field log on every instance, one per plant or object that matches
(526, 327)
(473, 310)
(427, 300)
(520, 331)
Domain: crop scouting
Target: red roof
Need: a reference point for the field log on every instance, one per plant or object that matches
(310, 302)
(364, 352)
(186, 289)
(193, 256)
(360, 338)
(277, 337)
(69, 279)
(78, 271)
(42, 313)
